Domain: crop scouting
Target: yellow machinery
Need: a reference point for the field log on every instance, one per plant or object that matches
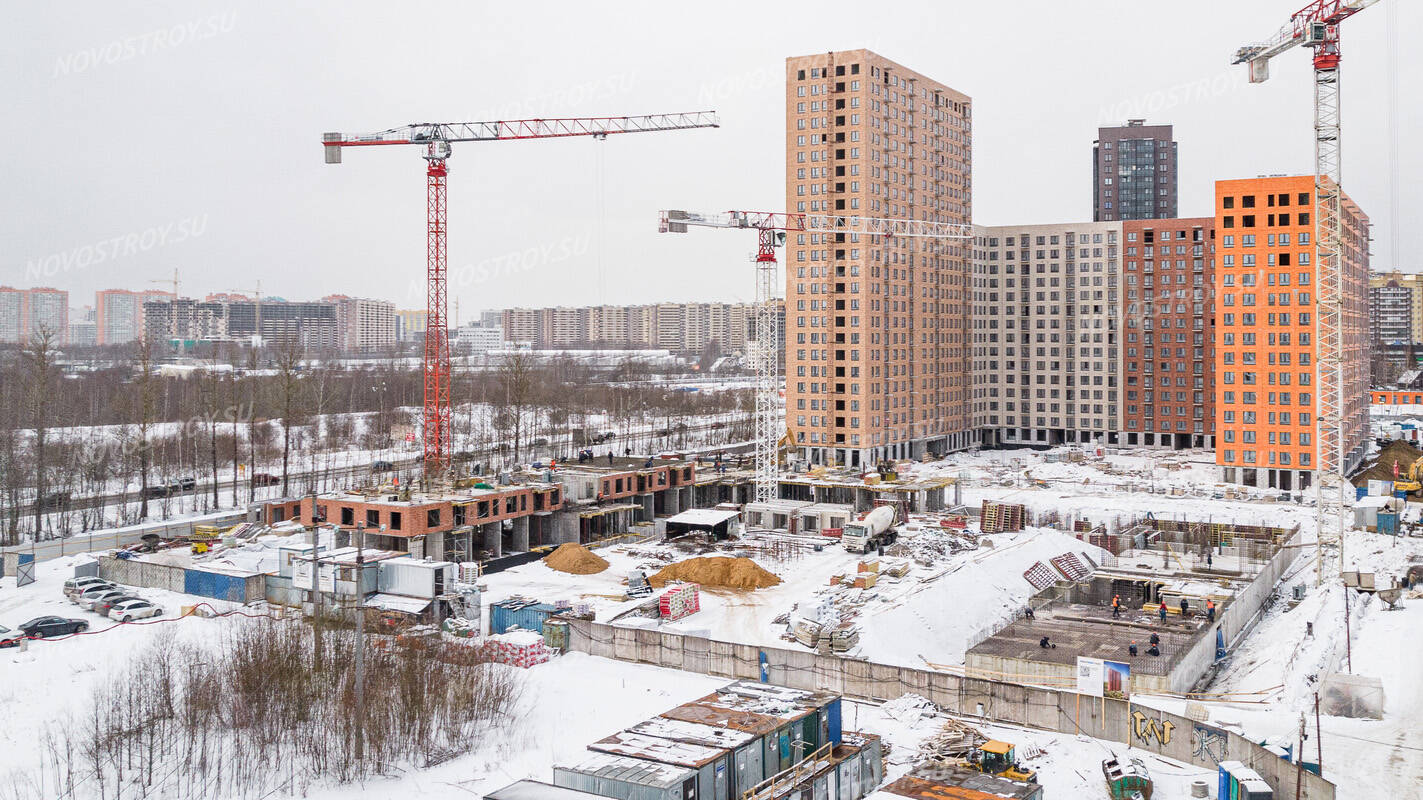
(1410, 482)
(1000, 758)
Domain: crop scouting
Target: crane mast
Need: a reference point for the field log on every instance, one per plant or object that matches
(436, 138)
(771, 228)
(1317, 26)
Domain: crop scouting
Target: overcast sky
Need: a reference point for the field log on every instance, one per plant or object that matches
(147, 137)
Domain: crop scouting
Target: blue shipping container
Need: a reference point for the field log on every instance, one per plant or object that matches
(1388, 523)
(215, 584)
(528, 616)
(1361, 492)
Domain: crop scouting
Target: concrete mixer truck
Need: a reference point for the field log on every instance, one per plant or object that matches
(870, 532)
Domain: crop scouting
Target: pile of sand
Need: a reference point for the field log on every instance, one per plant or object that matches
(575, 559)
(718, 572)
(1395, 452)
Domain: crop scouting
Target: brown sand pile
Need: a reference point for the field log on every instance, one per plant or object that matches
(718, 572)
(1396, 451)
(575, 559)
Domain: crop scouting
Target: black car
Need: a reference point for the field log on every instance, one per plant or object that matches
(40, 627)
(382, 466)
(157, 492)
(187, 484)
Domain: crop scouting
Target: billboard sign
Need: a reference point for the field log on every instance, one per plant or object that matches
(1090, 676)
(1116, 679)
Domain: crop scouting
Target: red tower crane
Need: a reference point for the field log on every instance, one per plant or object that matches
(436, 138)
(1317, 26)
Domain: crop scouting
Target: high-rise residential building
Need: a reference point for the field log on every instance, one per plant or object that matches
(1413, 283)
(363, 325)
(12, 315)
(1134, 172)
(1391, 303)
(410, 324)
(46, 311)
(184, 321)
(877, 357)
(308, 326)
(1168, 322)
(1267, 371)
(1047, 338)
(83, 333)
(678, 327)
(118, 313)
(25, 313)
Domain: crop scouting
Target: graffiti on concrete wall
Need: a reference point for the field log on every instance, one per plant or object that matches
(1208, 742)
(1149, 729)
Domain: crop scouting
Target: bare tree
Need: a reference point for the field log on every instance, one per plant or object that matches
(146, 403)
(289, 388)
(39, 357)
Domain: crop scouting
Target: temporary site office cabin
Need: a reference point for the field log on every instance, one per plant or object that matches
(791, 725)
(712, 764)
(624, 778)
(743, 748)
(538, 790)
(412, 577)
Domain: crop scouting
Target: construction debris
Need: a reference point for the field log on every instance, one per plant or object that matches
(1392, 463)
(1002, 517)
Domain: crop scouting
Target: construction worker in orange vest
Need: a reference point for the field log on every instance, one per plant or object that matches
(1210, 610)
(1116, 606)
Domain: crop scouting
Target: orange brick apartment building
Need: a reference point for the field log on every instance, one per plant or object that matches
(877, 359)
(1266, 364)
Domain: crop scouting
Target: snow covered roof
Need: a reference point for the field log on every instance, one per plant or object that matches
(704, 517)
(653, 748)
(1377, 501)
(629, 770)
(682, 731)
(538, 790)
(395, 602)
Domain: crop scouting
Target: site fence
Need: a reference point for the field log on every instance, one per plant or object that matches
(1166, 734)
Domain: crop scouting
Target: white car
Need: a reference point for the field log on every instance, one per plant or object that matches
(89, 600)
(134, 609)
(74, 586)
(90, 591)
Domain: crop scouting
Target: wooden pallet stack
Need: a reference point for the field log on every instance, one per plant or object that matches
(1002, 517)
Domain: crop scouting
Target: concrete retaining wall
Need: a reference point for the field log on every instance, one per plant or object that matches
(1167, 734)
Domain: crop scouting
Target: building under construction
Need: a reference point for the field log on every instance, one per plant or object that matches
(1194, 585)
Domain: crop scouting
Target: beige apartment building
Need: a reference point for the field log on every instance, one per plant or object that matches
(877, 351)
(678, 327)
(1047, 342)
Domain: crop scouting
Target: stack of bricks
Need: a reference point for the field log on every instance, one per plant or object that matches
(679, 601)
(517, 649)
(1002, 517)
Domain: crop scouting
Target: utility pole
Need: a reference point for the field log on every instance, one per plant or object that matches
(1299, 759)
(316, 584)
(1348, 636)
(360, 642)
(1318, 738)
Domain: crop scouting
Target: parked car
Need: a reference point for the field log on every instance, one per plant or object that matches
(187, 484)
(90, 602)
(91, 590)
(40, 627)
(74, 585)
(10, 638)
(57, 500)
(102, 607)
(381, 466)
(157, 492)
(265, 479)
(134, 609)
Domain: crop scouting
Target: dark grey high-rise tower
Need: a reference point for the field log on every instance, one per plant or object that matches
(1134, 172)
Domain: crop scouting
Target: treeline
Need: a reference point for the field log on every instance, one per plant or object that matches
(128, 431)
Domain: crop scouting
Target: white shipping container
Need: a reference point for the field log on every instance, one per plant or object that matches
(412, 578)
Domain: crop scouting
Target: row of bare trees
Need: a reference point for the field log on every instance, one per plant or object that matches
(87, 445)
(271, 707)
